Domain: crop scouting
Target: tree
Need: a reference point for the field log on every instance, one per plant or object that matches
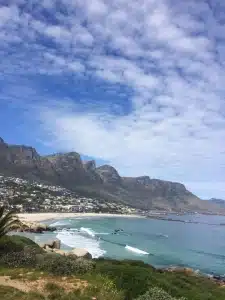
(8, 220)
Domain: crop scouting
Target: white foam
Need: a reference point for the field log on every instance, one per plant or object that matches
(75, 240)
(88, 231)
(136, 250)
(60, 223)
(102, 233)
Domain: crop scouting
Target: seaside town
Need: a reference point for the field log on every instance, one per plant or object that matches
(23, 196)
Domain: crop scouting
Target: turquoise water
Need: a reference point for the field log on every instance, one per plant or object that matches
(159, 243)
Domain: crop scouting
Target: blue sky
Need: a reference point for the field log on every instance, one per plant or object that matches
(136, 84)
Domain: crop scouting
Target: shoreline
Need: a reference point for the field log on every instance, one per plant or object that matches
(40, 217)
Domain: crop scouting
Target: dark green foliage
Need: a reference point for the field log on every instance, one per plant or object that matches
(136, 280)
(62, 265)
(16, 243)
(8, 220)
(157, 294)
(25, 258)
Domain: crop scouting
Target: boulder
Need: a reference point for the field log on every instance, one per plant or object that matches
(61, 252)
(56, 244)
(34, 227)
(79, 252)
(53, 244)
(187, 271)
(47, 248)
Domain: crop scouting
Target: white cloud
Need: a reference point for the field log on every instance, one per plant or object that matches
(169, 58)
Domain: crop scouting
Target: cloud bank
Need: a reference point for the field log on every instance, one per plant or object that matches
(138, 84)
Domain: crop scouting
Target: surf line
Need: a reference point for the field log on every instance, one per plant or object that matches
(136, 250)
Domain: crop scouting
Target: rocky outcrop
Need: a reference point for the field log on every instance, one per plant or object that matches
(68, 170)
(109, 174)
(78, 252)
(54, 246)
(33, 227)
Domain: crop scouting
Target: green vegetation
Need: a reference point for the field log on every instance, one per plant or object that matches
(8, 220)
(68, 278)
(157, 294)
(16, 243)
(64, 265)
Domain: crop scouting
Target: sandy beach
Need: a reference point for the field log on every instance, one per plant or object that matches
(40, 217)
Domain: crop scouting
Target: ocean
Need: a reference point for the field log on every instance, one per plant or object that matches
(157, 242)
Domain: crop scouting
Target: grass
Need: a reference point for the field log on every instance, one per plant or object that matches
(108, 280)
(117, 281)
(135, 279)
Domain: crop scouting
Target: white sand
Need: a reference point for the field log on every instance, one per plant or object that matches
(39, 217)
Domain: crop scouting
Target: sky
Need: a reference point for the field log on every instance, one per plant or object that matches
(139, 84)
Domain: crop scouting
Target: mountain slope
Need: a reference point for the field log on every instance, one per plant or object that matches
(68, 170)
(219, 202)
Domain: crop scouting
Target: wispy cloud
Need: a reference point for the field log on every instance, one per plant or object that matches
(161, 62)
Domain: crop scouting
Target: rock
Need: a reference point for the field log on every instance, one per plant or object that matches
(49, 244)
(56, 244)
(47, 248)
(187, 271)
(34, 227)
(79, 252)
(61, 252)
(52, 244)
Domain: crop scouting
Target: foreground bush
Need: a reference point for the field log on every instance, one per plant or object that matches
(133, 279)
(16, 243)
(19, 259)
(62, 265)
(157, 294)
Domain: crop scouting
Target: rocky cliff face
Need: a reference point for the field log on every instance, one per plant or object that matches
(68, 170)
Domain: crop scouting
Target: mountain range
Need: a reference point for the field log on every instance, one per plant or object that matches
(68, 170)
(218, 202)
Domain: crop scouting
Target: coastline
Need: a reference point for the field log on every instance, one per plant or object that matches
(40, 217)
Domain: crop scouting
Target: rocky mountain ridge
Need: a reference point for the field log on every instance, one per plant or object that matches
(68, 170)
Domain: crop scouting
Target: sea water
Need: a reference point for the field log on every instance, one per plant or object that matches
(157, 242)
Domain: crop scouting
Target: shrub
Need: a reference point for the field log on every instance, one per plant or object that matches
(16, 243)
(157, 294)
(19, 259)
(103, 289)
(134, 280)
(62, 265)
(84, 265)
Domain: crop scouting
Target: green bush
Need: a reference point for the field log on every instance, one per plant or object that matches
(62, 265)
(133, 279)
(103, 289)
(19, 259)
(157, 294)
(16, 243)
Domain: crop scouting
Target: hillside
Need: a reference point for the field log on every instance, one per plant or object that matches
(69, 171)
(219, 202)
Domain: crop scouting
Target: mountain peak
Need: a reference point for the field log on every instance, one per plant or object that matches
(108, 174)
(90, 165)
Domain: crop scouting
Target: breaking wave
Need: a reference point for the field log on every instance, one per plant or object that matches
(74, 239)
(136, 250)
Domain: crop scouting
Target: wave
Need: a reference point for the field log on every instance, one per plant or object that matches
(88, 231)
(102, 233)
(136, 250)
(60, 223)
(76, 240)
